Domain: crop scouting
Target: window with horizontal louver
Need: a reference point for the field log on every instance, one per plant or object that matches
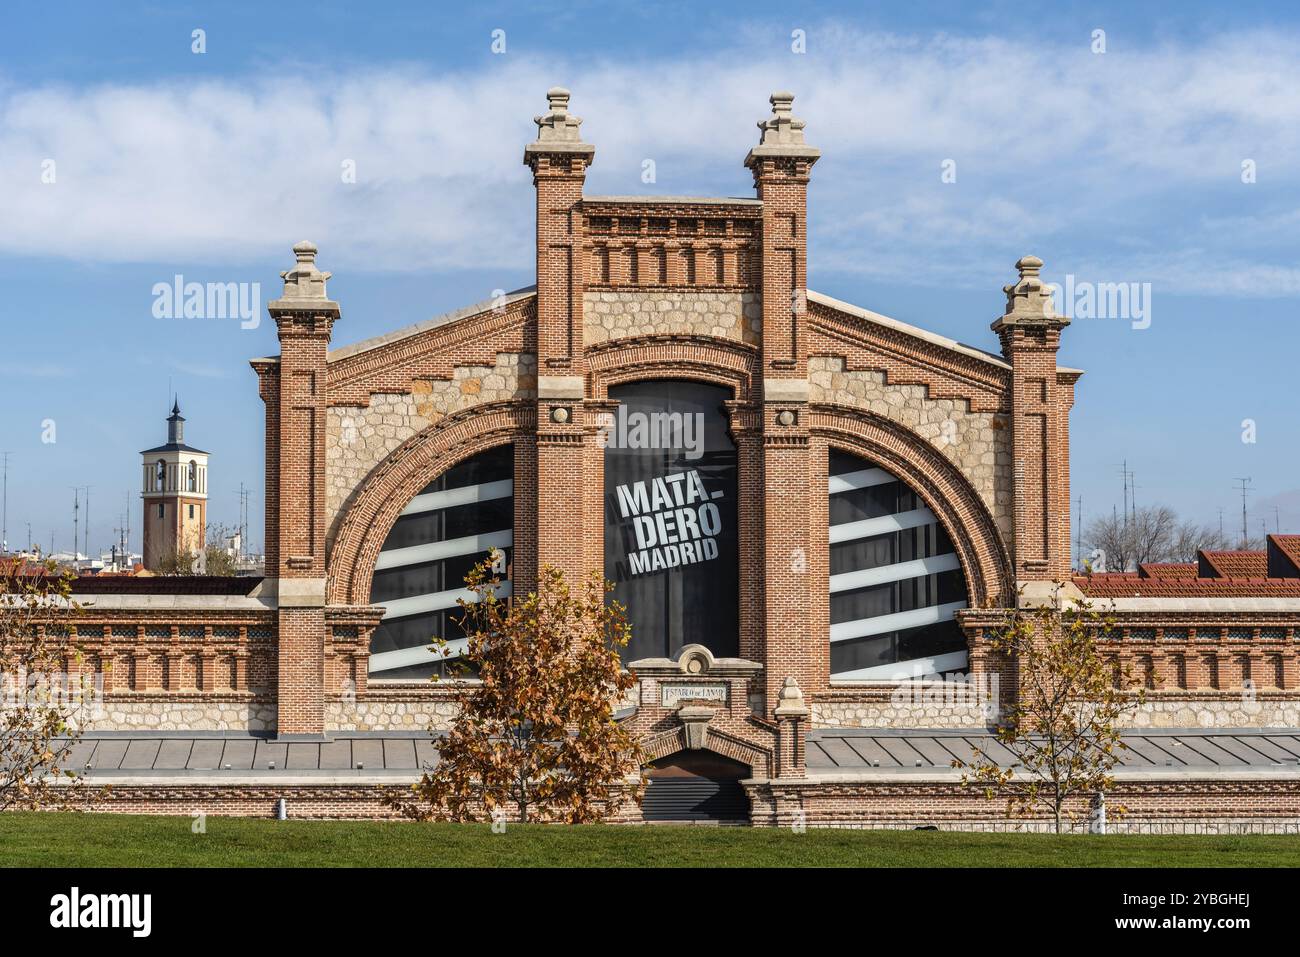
(452, 524)
(895, 579)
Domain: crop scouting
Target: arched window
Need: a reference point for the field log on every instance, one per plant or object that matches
(160, 476)
(895, 579)
(192, 483)
(420, 573)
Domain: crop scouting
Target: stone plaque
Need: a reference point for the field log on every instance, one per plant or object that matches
(674, 694)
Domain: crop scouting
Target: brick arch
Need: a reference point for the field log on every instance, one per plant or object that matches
(945, 490)
(374, 507)
(701, 358)
(761, 760)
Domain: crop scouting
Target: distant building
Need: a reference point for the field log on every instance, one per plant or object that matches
(175, 493)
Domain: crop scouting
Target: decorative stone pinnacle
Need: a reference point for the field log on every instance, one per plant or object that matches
(557, 129)
(791, 703)
(782, 128)
(781, 134)
(1029, 299)
(304, 280)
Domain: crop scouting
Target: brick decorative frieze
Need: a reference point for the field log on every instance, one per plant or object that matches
(662, 243)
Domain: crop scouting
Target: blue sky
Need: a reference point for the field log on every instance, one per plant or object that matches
(1122, 166)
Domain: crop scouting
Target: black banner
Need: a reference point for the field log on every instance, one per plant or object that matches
(670, 516)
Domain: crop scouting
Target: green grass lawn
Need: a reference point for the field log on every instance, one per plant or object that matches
(108, 840)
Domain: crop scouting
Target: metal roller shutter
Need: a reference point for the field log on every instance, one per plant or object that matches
(694, 799)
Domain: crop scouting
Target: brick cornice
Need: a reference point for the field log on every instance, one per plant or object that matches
(392, 367)
(908, 360)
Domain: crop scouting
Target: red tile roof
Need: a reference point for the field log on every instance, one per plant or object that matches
(23, 568)
(1237, 564)
(1117, 585)
(1167, 570)
(1285, 547)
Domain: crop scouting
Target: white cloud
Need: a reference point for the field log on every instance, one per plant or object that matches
(1094, 155)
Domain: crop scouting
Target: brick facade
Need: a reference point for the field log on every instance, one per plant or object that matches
(713, 290)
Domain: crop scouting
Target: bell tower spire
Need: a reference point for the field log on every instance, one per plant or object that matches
(174, 487)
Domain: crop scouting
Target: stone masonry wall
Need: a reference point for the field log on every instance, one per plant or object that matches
(417, 712)
(971, 440)
(359, 437)
(1231, 711)
(619, 315)
(192, 713)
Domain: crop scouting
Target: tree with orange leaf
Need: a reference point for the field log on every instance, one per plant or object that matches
(536, 732)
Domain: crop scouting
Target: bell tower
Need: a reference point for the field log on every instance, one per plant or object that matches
(175, 493)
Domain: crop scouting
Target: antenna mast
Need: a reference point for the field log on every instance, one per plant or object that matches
(1245, 490)
(4, 520)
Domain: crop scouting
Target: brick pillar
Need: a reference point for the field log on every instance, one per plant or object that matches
(1031, 333)
(295, 492)
(780, 164)
(565, 442)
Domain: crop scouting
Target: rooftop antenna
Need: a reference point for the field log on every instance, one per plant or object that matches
(1123, 471)
(243, 521)
(1277, 520)
(1245, 490)
(76, 518)
(1078, 534)
(87, 533)
(4, 521)
(1220, 522)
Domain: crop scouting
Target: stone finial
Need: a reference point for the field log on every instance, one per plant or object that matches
(1029, 299)
(791, 703)
(781, 134)
(782, 128)
(557, 129)
(304, 280)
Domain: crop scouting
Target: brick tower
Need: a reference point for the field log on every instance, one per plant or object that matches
(175, 493)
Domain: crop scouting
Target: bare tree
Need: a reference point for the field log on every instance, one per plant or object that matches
(216, 559)
(1114, 543)
(1189, 538)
